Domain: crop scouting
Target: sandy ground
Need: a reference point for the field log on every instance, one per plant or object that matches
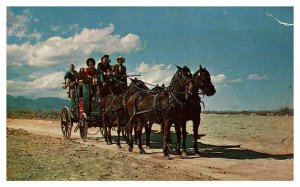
(236, 147)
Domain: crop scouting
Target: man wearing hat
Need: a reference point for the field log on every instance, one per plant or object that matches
(120, 70)
(70, 78)
(103, 69)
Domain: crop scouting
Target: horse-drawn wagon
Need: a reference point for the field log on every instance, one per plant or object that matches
(135, 106)
(84, 110)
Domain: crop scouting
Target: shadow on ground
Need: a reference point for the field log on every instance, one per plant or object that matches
(211, 151)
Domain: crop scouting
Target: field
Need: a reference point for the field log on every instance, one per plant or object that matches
(236, 147)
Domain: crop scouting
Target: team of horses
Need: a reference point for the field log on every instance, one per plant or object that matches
(138, 107)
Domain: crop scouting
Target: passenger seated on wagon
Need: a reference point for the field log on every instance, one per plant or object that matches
(71, 77)
(82, 75)
(104, 70)
(90, 70)
(119, 70)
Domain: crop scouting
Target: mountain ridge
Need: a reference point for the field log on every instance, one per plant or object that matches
(44, 103)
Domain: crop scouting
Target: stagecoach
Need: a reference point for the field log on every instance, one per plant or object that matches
(84, 109)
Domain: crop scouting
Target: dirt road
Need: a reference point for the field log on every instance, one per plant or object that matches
(241, 153)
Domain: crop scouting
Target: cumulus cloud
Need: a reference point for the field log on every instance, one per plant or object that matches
(280, 22)
(221, 80)
(155, 73)
(17, 25)
(58, 50)
(258, 77)
(217, 79)
(46, 85)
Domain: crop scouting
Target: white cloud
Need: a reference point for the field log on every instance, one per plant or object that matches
(258, 77)
(217, 79)
(74, 27)
(236, 81)
(155, 73)
(58, 50)
(47, 85)
(282, 23)
(17, 25)
(35, 35)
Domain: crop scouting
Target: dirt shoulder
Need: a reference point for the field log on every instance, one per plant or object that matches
(39, 157)
(62, 159)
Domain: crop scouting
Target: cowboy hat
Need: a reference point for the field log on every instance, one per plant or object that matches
(121, 58)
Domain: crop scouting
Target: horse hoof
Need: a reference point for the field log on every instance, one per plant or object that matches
(148, 146)
(118, 145)
(167, 157)
(177, 152)
(198, 154)
(180, 156)
(142, 151)
(130, 149)
(184, 154)
(169, 151)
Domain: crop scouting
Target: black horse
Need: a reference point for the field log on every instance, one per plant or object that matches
(202, 81)
(114, 110)
(146, 107)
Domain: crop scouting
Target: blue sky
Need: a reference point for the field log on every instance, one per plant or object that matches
(248, 50)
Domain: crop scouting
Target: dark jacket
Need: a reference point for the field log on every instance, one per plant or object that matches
(102, 69)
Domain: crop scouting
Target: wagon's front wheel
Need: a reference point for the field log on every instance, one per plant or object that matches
(83, 127)
(66, 122)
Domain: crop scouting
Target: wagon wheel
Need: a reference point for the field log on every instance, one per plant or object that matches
(66, 122)
(83, 127)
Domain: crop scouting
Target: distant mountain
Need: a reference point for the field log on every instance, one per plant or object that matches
(47, 103)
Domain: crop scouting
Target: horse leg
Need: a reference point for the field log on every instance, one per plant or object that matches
(138, 135)
(166, 137)
(168, 147)
(148, 132)
(184, 134)
(178, 141)
(135, 135)
(196, 124)
(109, 135)
(118, 131)
(130, 139)
(125, 136)
(105, 128)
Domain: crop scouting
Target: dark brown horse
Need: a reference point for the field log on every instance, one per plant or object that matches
(147, 107)
(202, 82)
(157, 89)
(114, 110)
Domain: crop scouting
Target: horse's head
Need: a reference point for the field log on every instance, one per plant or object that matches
(203, 81)
(136, 85)
(182, 80)
(158, 88)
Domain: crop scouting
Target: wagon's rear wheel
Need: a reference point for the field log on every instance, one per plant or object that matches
(83, 127)
(66, 122)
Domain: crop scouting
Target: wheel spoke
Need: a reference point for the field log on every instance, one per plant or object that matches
(66, 123)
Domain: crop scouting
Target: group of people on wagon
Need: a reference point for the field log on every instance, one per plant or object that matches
(100, 75)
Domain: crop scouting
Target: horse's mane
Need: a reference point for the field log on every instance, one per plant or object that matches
(174, 80)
